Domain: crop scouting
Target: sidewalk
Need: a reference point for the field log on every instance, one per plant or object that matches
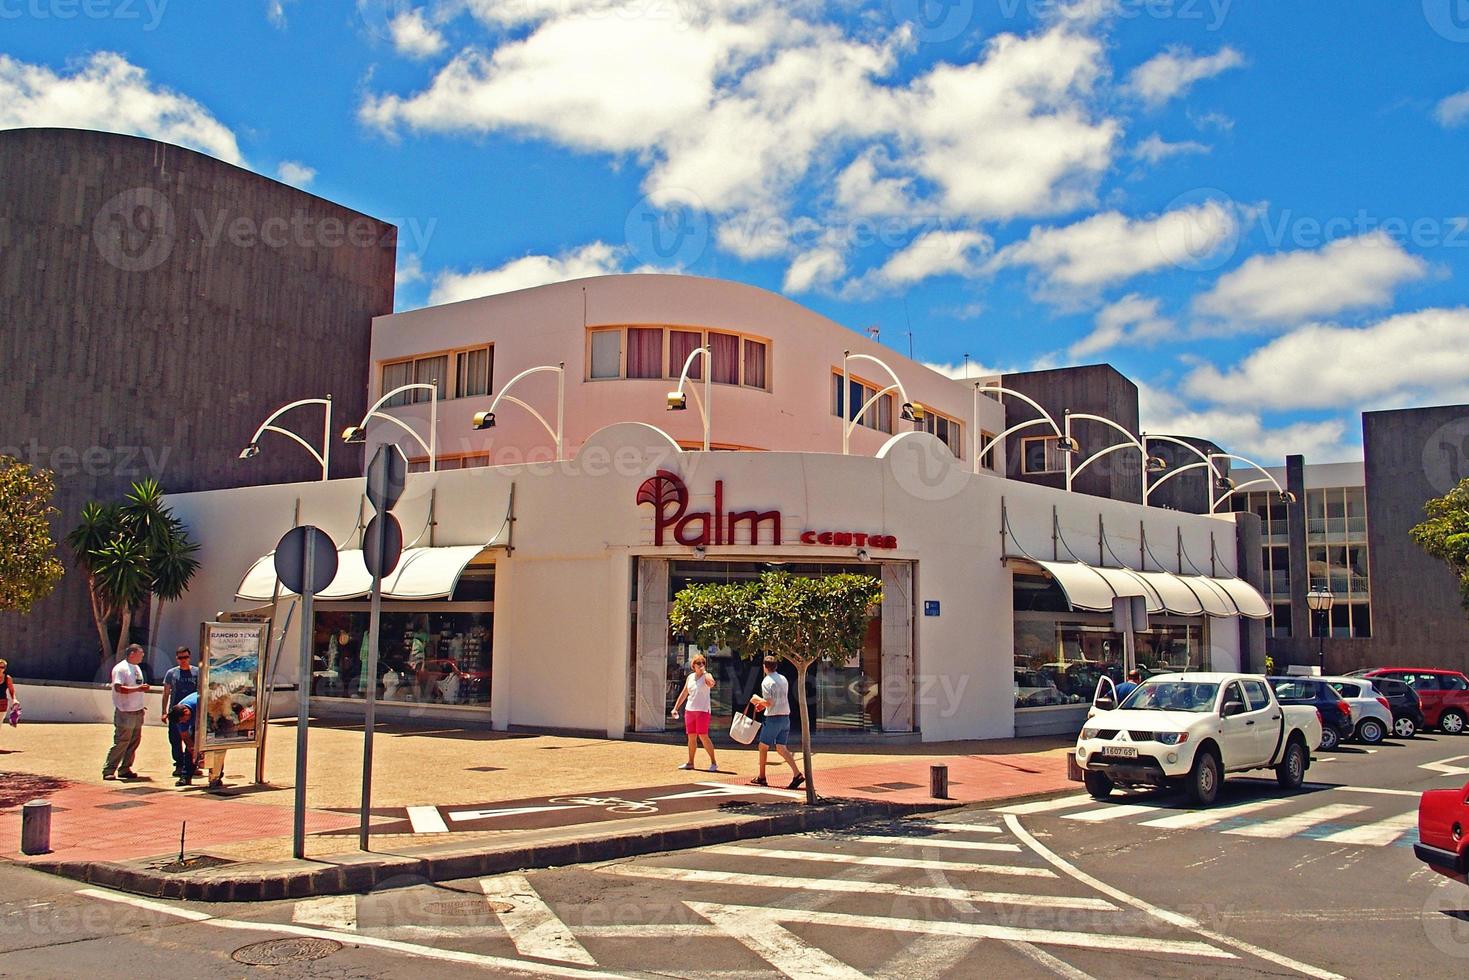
(450, 800)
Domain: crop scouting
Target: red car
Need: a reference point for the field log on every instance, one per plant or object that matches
(1443, 815)
(1443, 695)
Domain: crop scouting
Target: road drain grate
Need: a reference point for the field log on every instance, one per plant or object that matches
(280, 952)
(466, 908)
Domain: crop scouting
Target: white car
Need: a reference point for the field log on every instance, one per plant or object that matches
(1371, 714)
(1190, 730)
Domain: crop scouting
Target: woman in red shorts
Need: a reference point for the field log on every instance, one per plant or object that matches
(696, 720)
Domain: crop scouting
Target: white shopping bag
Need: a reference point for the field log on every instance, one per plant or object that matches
(743, 728)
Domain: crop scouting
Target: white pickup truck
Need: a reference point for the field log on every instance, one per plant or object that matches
(1192, 729)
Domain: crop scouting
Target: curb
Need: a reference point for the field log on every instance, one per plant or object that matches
(274, 882)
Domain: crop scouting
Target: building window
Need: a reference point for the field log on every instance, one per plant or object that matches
(644, 352)
(754, 363)
(879, 416)
(470, 377)
(1280, 619)
(725, 351)
(986, 456)
(459, 461)
(682, 343)
(396, 376)
(947, 431)
(656, 352)
(1042, 454)
(606, 354)
(472, 371)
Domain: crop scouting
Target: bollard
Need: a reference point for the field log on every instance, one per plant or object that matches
(35, 827)
(938, 782)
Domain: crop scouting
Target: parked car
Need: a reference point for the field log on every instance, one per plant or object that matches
(1034, 689)
(1336, 714)
(1190, 730)
(1443, 844)
(1371, 714)
(1442, 694)
(1407, 714)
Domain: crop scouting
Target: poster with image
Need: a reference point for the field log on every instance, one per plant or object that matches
(232, 661)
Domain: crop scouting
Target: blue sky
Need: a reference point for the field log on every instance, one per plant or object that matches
(1257, 211)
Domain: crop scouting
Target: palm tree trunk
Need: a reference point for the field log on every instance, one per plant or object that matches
(124, 630)
(805, 730)
(99, 616)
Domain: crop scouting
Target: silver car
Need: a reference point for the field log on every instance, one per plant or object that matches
(1371, 715)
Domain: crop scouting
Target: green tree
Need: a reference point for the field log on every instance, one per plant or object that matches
(132, 552)
(29, 569)
(1445, 535)
(802, 620)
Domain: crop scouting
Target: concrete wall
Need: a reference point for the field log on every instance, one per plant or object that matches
(85, 703)
(1096, 389)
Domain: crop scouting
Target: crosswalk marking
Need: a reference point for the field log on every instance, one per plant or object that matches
(1297, 822)
(857, 886)
(1112, 812)
(836, 857)
(1045, 806)
(960, 828)
(1376, 834)
(332, 911)
(532, 926)
(427, 820)
(1379, 792)
(958, 845)
(782, 949)
(1194, 819)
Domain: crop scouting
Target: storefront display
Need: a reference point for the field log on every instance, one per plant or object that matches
(425, 657)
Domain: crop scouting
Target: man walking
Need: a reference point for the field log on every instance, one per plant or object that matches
(774, 699)
(129, 701)
(178, 683)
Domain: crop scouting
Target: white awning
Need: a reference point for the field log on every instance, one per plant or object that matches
(1251, 603)
(422, 573)
(1126, 582)
(1093, 587)
(1177, 597)
(1216, 601)
(1085, 587)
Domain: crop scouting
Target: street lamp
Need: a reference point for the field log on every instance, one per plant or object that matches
(1320, 601)
(486, 419)
(324, 457)
(357, 434)
(678, 401)
(1063, 442)
(1151, 464)
(909, 412)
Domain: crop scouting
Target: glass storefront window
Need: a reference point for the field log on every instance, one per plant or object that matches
(424, 657)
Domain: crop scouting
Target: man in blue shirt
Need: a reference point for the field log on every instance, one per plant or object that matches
(178, 683)
(1134, 678)
(182, 725)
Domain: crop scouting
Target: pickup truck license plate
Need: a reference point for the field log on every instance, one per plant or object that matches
(1121, 752)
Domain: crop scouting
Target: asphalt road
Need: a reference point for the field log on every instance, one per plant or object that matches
(1318, 883)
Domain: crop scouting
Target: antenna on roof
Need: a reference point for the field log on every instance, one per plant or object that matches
(909, 321)
(873, 331)
(966, 367)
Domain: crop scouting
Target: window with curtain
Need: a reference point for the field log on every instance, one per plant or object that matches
(879, 416)
(947, 431)
(430, 370)
(396, 376)
(725, 348)
(644, 352)
(472, 372)
(682, 343)
(754, 363)
(606, 354)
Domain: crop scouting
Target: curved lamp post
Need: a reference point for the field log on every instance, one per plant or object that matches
(486, 419)
(354, 434)
(678, 401)
(1218, 481)
(1320, 602)
(1064, 440)
(323, 457)
(909, 411)
(1232, 488)
(1151, 464)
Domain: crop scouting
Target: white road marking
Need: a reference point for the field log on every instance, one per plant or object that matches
(668, 930)
(779, 947)
(459, 815)
(1110, 812)
(1380, 792)
(862, 887)
(1443, 766)
(1377, 834)
(960, 828)
(532, 926)
(427, 820)
(1041, 958)
(1045, 806)
(146, 904)
(873, 862)
(1207, 818)
(1297, 822)
(926, 956)
(759, 919)
(732, 789)
(958, 845)
(1163, 915)
(332, 911)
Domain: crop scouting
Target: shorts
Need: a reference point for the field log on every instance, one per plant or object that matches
(776, 730)
(696, 722)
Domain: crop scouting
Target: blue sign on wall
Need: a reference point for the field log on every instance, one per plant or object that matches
(930, 607)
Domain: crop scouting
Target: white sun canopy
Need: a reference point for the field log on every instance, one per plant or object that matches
(1093, 587)
(422, 573)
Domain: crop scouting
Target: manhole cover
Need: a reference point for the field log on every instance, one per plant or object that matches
(279, 952)
(466, 908)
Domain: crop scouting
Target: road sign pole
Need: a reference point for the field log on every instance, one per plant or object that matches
(370, 666)
(303, 704)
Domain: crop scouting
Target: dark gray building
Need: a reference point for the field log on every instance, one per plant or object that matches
(156, 305)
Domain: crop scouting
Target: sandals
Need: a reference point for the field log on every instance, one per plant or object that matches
(796, 781)
(758, 781)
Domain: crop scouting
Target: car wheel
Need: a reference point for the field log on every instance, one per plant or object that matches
(1404, 728)
(1202, 785)
(1291, 772)
(1452, 722)
(1098, 784)
(1329, 739)
(1371, 731)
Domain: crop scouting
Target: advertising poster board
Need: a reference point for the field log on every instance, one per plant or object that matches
(232, 674)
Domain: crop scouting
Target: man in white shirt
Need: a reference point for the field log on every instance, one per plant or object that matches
(129, 700)
(775, 700)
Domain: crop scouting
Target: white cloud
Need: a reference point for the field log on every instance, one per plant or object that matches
(414, 36)
(409, 271)
(275, 12)
(1291, 287)
(296, 173)
(819, 266)
(933, 253)
(1172, 73)
(1131, 320)
(861, 190)
(595, 259)
(1409, 358)
(973, 371)
(109, 93)
(1155, 149)
(1109, 247)
(1244, 432)
(1454, 110)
